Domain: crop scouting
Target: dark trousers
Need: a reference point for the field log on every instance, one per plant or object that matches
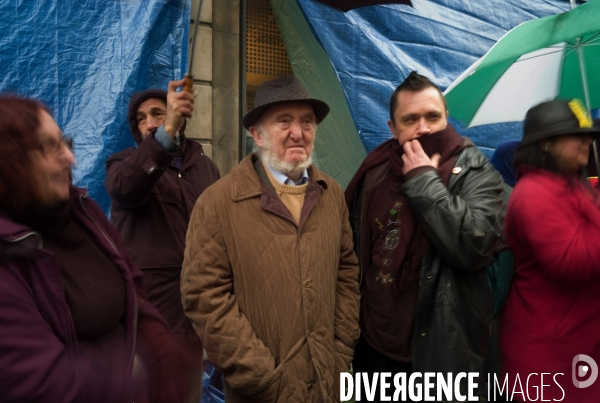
(368, 360)
(492, 364)
(162, 285)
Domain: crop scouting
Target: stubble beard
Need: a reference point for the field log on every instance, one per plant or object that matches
(287, 168)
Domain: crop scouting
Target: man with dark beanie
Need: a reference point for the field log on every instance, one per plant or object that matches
(153, 188)
(424, 211)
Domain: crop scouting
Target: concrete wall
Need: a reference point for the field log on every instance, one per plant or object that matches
(216, 70)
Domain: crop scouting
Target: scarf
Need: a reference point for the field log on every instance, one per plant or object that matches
(401, 247)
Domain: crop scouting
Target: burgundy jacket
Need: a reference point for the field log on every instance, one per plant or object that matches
(40, 357)
(153, 200)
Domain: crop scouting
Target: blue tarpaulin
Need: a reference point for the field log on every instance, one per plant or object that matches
(374, 48)
(84, 59)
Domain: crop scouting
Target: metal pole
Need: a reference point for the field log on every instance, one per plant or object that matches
(193, 43)
(586, 95)
(243, 88)
(189, 78)
(586, 92)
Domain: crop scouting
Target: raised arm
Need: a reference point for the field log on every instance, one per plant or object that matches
(132, 174)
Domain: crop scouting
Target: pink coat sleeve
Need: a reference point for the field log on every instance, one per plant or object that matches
(559, 230)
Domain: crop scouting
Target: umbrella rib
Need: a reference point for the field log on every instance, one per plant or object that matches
(574, 48)
(587, 42)
(571, 50)
(591, 39)
(545, 54)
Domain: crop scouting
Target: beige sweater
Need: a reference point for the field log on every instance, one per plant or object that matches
(291, 196)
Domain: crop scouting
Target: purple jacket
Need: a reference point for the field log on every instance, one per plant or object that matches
(40, 358)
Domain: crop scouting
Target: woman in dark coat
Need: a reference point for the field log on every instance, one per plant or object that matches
(74, 321)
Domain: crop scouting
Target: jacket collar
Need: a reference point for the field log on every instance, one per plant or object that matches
(246, 183)
(12, 231)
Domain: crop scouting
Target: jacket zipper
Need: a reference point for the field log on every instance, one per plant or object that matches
(135, 302)
(27, 235)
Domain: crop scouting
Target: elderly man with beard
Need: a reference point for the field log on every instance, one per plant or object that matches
(270, 279)
(424, 208)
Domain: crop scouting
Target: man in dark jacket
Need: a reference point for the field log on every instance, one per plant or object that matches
(153, 189)
(424, 209)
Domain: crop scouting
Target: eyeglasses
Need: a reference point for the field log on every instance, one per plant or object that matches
(51, 145)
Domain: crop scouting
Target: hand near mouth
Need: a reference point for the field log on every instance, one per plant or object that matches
(414, 156)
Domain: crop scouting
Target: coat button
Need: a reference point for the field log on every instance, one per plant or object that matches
(423, 334)
(429, 277)
(179, 175)
(151, 169)
(307, 283)
(311, 187)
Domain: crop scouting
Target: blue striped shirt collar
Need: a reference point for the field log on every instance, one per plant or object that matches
(283, 178)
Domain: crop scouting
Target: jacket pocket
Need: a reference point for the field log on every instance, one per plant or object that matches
(169, 194)
(343, 357)
(278, 389)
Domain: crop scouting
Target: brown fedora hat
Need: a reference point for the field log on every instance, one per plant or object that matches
(280, 90)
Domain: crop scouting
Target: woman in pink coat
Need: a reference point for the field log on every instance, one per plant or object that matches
(550, 328)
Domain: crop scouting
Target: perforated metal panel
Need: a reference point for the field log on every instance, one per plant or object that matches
(250, 93)
(265, 51)
(266, 57)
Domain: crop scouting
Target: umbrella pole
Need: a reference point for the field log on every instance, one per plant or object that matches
(586, 94)
(189, 78)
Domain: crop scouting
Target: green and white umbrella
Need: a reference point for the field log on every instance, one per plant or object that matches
(539, 60)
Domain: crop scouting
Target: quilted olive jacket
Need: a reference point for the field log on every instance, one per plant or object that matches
(275, 303)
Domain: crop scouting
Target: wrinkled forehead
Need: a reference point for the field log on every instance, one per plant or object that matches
(293, 109)
(151, 103)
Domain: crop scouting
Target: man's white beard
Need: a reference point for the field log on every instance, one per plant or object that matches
(285, 167)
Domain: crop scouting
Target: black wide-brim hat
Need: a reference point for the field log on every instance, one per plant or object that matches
(281, 90)
(554, 118)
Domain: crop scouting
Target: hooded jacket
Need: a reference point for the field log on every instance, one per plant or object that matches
(41, 359)
(275, 302)
(152, 199)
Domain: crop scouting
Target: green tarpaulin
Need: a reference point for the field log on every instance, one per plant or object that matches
(338, 148)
